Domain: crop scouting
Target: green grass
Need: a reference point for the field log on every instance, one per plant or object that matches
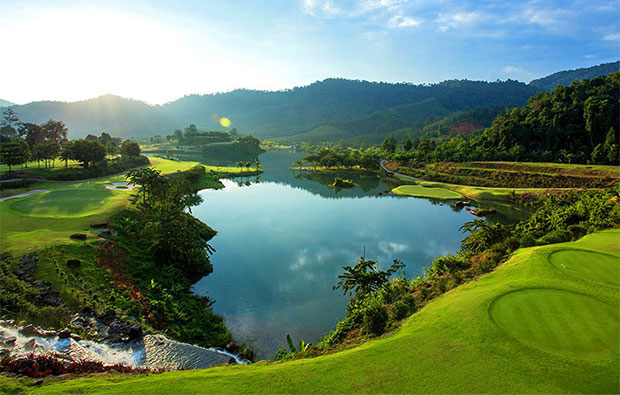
(560, 322)
(426, 192)
(457, 343)
(34, 168)
(65, 203)
(590, 266)
(473, 192)
(30, 223)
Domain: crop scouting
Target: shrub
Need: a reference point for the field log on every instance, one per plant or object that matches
(557, 236)
(375, 318)
(13, 184)
(527, 240)
(577, 231)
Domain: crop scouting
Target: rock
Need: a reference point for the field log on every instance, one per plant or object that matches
(24, 270)
(37, 383)
(52, 300)
(100, 225)
(78, 236)
(75, 337)
(232, 361)
(135, 332)
(64, 334)
(29, 345)
(73, 263)
(29, 330)
(232, 347)
(10, 341)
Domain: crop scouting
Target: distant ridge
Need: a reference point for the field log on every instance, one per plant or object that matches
(323, 111)
(565, 78)
(6, 103)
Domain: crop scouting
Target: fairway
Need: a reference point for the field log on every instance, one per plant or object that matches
(426, 192)
(588, 265)
(65, 203)
(467, 341)
(561, 322)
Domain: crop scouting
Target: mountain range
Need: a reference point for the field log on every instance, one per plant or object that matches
(325, 110)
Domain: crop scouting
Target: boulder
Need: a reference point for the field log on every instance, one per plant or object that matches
(73, 263)
(232, 347)
(78, 236)
(29, 331)
(64, 334)
(232, 361)
(100, 225)
(135, 332)
(75, 337)
(29, 345)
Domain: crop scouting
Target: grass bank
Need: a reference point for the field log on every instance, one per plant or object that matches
(494, 334)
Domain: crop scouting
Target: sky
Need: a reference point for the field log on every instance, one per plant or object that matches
(158, 51)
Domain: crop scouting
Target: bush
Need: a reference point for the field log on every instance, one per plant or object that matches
(557, 236)
(14, 184)
(527, 240)
(375, 318)
(577, 231)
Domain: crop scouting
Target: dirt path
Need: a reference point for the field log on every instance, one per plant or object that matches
(24, 194)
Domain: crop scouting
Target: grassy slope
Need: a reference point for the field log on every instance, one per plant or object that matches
(29, 223)
(451, 345)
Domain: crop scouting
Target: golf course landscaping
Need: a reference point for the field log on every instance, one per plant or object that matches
(544, 321)
(69, 207)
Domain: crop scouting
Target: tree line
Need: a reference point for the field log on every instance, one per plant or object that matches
(21, 142)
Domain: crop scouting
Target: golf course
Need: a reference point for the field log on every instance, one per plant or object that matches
(526, 327)
(67, 207)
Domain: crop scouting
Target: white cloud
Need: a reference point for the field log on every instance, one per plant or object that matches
(402, 21)
(325, 7)
(612, 37)
(459, 19)
(511, 69)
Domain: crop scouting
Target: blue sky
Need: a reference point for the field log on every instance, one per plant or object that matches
(158, 51)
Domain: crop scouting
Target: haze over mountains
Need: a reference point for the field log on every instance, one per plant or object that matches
(328, 109)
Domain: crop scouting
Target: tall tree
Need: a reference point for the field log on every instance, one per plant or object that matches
(55, 131)
(389, 144)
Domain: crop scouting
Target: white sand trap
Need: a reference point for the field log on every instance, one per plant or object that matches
(24, 194)
(124, 186)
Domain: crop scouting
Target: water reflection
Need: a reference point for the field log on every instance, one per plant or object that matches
(283, 239)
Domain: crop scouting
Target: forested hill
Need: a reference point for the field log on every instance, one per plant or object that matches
(565, 78)
(356, 109)
(270, 114)
(574, 124)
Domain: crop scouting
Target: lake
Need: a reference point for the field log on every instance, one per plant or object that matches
(283, 238)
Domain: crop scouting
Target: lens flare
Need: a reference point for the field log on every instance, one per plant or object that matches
(225, 122)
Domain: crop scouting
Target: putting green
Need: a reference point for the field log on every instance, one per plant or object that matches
(66, 203)
(588, 265)
(426, 192)
(560, 322)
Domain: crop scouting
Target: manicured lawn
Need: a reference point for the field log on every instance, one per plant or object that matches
(426, 192)
(65, 203)
(34, 222)
(527, 327)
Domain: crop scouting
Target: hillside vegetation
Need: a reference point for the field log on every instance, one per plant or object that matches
(565, 78)
(488, 334)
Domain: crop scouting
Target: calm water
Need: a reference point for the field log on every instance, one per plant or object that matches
(282, 242)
